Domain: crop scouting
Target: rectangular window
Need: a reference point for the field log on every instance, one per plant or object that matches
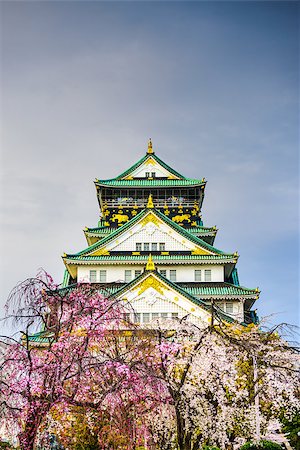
(164, 273)
(155, 316)
(153, 174)
(197, 275)
(102, 276)
(137, 273)
(138, 246)
(137, 317)
(229, 308)
(207, 275)
(127, 276)
(172, 275)
(146, 246)
(162, 246)
(154, 246)
(146, 317)
(147, 174)
(93, 276)
(174, 315)
(164, 315)
(126, 317)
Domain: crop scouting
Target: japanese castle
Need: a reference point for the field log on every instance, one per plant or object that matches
(151, 249)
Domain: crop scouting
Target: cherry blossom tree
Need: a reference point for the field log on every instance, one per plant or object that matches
(177, 386)
(226, 382)
(83, 357)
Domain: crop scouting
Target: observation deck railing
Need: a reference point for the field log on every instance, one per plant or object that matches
(142, 203)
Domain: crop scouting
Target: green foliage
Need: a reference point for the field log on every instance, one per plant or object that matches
(291, 427)
(207, 447)
(5, 445)
(261, 445)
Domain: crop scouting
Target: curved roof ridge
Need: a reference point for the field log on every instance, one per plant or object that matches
(141, 161)
(165, 219)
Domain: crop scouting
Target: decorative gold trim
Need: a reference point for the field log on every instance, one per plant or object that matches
(150, 161)
(150, 202)
(101, 252)
(150, 218)
(150, 149)
(150, 264)
(151, 282)
(200, 251)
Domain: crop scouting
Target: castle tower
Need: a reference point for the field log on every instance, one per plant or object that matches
(151, 249)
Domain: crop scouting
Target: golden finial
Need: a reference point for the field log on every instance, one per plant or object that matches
(150, 149)
(150, 264)
(150, 202)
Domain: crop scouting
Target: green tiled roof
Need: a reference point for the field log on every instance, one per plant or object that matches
(135, 219)
(218, 289)
(40, 337)
(142, 160)
(201, 230)
(177, 288)
(108, 230)
(136, 259)
(146, 182)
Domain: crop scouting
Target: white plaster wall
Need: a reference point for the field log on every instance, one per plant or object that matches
(238, 308)
(151, 234)
(159, 171)
(117, 272)
(113, 273)
(169, 301)
(187, 273)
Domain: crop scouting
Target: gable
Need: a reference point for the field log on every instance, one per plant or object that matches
(152, 295)
(150, 229)
(150, 167)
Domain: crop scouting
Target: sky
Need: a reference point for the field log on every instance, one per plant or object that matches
(214, 84)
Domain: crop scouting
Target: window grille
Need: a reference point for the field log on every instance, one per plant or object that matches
(164, 273)
(174, 315)
(153, 174)
(207, 275)
(197, 275)
(127, 276)
(164, 315)
(147, 174)
(146, 317)
(102, 276)
(138, 246)
(154, 247)
(146, 246)
(137, 273)
(155, 316)
(93, 276)
(162, 246)
(172, 275)
(137, 317)
(229, 308)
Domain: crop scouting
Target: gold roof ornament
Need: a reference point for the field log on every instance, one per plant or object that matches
(150, 202)
(150, 264)
(150, 149)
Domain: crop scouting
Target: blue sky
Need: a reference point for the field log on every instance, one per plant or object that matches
(216, 86)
